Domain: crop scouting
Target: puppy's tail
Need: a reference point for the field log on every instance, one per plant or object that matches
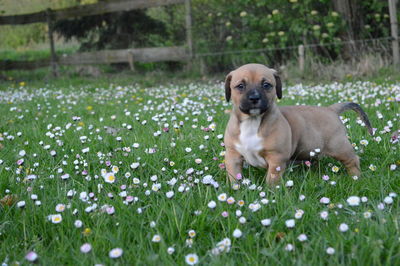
(342, 107)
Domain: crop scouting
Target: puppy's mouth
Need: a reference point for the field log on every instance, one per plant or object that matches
(253, 110)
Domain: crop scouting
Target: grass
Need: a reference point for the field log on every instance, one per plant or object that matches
(43, 114)
(31, 55)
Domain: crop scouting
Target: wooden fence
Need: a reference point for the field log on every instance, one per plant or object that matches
(179, 53)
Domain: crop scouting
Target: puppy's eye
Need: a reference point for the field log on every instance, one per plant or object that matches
(240, 86)
(266, 85)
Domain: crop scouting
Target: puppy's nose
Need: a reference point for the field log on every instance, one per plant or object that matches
(254, 98)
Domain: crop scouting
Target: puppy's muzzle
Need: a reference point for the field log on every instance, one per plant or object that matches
(254, 98)
(253, 103)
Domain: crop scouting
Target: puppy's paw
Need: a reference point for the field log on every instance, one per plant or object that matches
(273, 179)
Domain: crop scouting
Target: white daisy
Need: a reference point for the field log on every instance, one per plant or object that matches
(109, 178)
(191, 259)
(353, 201)
(222, 197)
(266, 222)
(343, 227)
(237, 233)
(86, 248)
(156, 238)
(290, 223)
(330, 251)
(115, 253)
(56, 218)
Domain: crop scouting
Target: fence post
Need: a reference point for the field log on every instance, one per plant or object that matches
(394, 30)
(189, 40)
(130, 61)
(53, 61)
(301, 58)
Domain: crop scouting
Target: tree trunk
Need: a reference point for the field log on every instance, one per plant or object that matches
(351, 13)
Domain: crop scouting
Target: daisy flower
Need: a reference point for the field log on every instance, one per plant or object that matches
(343, 227)
(31, 256)
(353, 201)
(169, 194)
(86, 248)
(191, 259)
(242, 220)
(192, 233)
(325, 177)
(324, 215)
(78, 223)
(115, 253)
(21, 204)
(289, 247)
(289, 183)
(235, 186)
(237, 233)
(109, 178)
(302, 237)
(372, 167)
(266, 222)
(170, 250)
(156, 238)
(230, 200)
(299, 213)
(134, 165)
(56, 218)
(115, 169)
(324, 200)
(222, 197)
(330, 251)
(388, 200)
(60, 207)
(367, 214)
(290, 223)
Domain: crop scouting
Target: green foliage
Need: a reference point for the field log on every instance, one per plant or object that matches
(111, 31)
(266, 25)
(26, 35)
(376, 20)
(30, 55)
(21, 36)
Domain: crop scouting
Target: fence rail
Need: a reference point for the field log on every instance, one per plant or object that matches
(177, 53)
(84, 10)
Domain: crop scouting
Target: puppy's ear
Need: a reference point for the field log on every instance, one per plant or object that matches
(278, 86)
(228, 87)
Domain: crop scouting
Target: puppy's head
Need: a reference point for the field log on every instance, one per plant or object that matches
(253, 88)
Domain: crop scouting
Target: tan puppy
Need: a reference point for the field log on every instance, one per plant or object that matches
(268, 136)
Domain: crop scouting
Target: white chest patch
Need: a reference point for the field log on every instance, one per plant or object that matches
(250, 144)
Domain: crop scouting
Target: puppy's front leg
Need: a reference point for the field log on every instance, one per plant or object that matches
(276, 168)
(233, 164)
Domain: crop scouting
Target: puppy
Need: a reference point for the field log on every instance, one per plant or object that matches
(269, 136)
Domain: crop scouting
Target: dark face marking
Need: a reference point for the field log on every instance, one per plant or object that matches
(255, 100)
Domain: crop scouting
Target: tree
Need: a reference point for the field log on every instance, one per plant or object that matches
(350, 11)
(112, 31)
